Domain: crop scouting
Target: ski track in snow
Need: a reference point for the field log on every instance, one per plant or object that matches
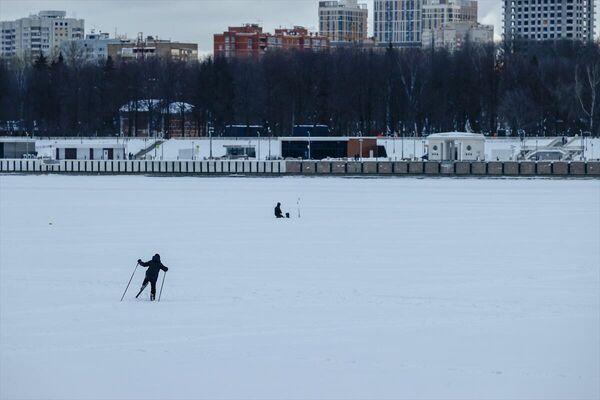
(385, 288)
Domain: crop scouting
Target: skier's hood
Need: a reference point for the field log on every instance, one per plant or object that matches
(156, 258)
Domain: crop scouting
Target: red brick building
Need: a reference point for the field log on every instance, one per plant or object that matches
(250, 41)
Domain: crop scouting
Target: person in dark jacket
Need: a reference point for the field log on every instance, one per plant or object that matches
(278, 212)
(154, 266)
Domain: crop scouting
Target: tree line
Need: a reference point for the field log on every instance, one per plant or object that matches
(544, 89)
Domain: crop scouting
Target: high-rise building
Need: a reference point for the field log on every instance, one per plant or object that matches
(398, 22)
(548, 20)
(437, 13)
(343, 21)
(38, 34)
(250, 41)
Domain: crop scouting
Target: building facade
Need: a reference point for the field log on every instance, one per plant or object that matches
(343, 21)
(453, 35)
(39, 34)
(437, 13)
(398, 22)
(250, 41)
(94, 48)
(548, 20)
(150, 47)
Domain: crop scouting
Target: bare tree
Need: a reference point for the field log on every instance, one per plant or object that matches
(587, 85)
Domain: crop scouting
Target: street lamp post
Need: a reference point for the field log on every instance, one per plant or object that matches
(309, 155)
(360, 146)
(269, 133)
(210, 131)
(258, 145)
(415, 146)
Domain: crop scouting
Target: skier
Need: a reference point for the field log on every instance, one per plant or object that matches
(154, 266)
(278, 212)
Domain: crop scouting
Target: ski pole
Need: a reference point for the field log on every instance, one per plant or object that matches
(161, 285)
(130, 279)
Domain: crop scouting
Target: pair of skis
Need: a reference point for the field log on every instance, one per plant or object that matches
(144, 286)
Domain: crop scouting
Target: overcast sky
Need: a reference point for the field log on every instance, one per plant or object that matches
(197, 20)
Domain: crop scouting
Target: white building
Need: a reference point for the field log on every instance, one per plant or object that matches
(456, 146)
(93, 48)
(437, 13)
(90, 151)
(453, 36)
(343, 21)
(549, 20)
(398, 22)
(38, 34)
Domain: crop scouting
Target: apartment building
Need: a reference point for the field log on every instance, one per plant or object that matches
(437, 13)
(150, 47)
(398, 22)
(343, 21)
(38, 34)
(250, 41)
(454, 35)
(94, 48)
(548, 20)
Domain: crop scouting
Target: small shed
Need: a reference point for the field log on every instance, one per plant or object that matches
(16, 148)
(91, 151)
(456, 146)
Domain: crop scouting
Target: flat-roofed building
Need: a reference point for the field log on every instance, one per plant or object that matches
(343, 21)
(150, 47)
(437, 13)
(398, 22)
(250, 41)
(38, 34)
(527, 20)
(94, 48)
(454, 35)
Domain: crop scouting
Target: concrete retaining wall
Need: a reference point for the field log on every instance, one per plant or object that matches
(495, 168)
(560, 168)
(478, 168)
(323, 167)
(369, 167)
(462, 168)
(385, 168)
(400, 167)
(544, 168)
(415, 167)
(593, 168)
(527, 168)
(338, 167)
(354, 167)
(151, 167)
(218, 167)
(511, 168)
(432, 168)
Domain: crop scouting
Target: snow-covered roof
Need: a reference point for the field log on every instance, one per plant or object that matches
(141, 105)
(90, 146)
(154, 104)
(456, 135)
(177, 107)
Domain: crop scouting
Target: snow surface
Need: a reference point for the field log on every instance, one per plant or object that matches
(384, 288)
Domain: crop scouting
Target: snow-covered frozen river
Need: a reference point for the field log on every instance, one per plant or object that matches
(384, 288)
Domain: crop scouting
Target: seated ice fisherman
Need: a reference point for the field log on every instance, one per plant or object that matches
(278, 212)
